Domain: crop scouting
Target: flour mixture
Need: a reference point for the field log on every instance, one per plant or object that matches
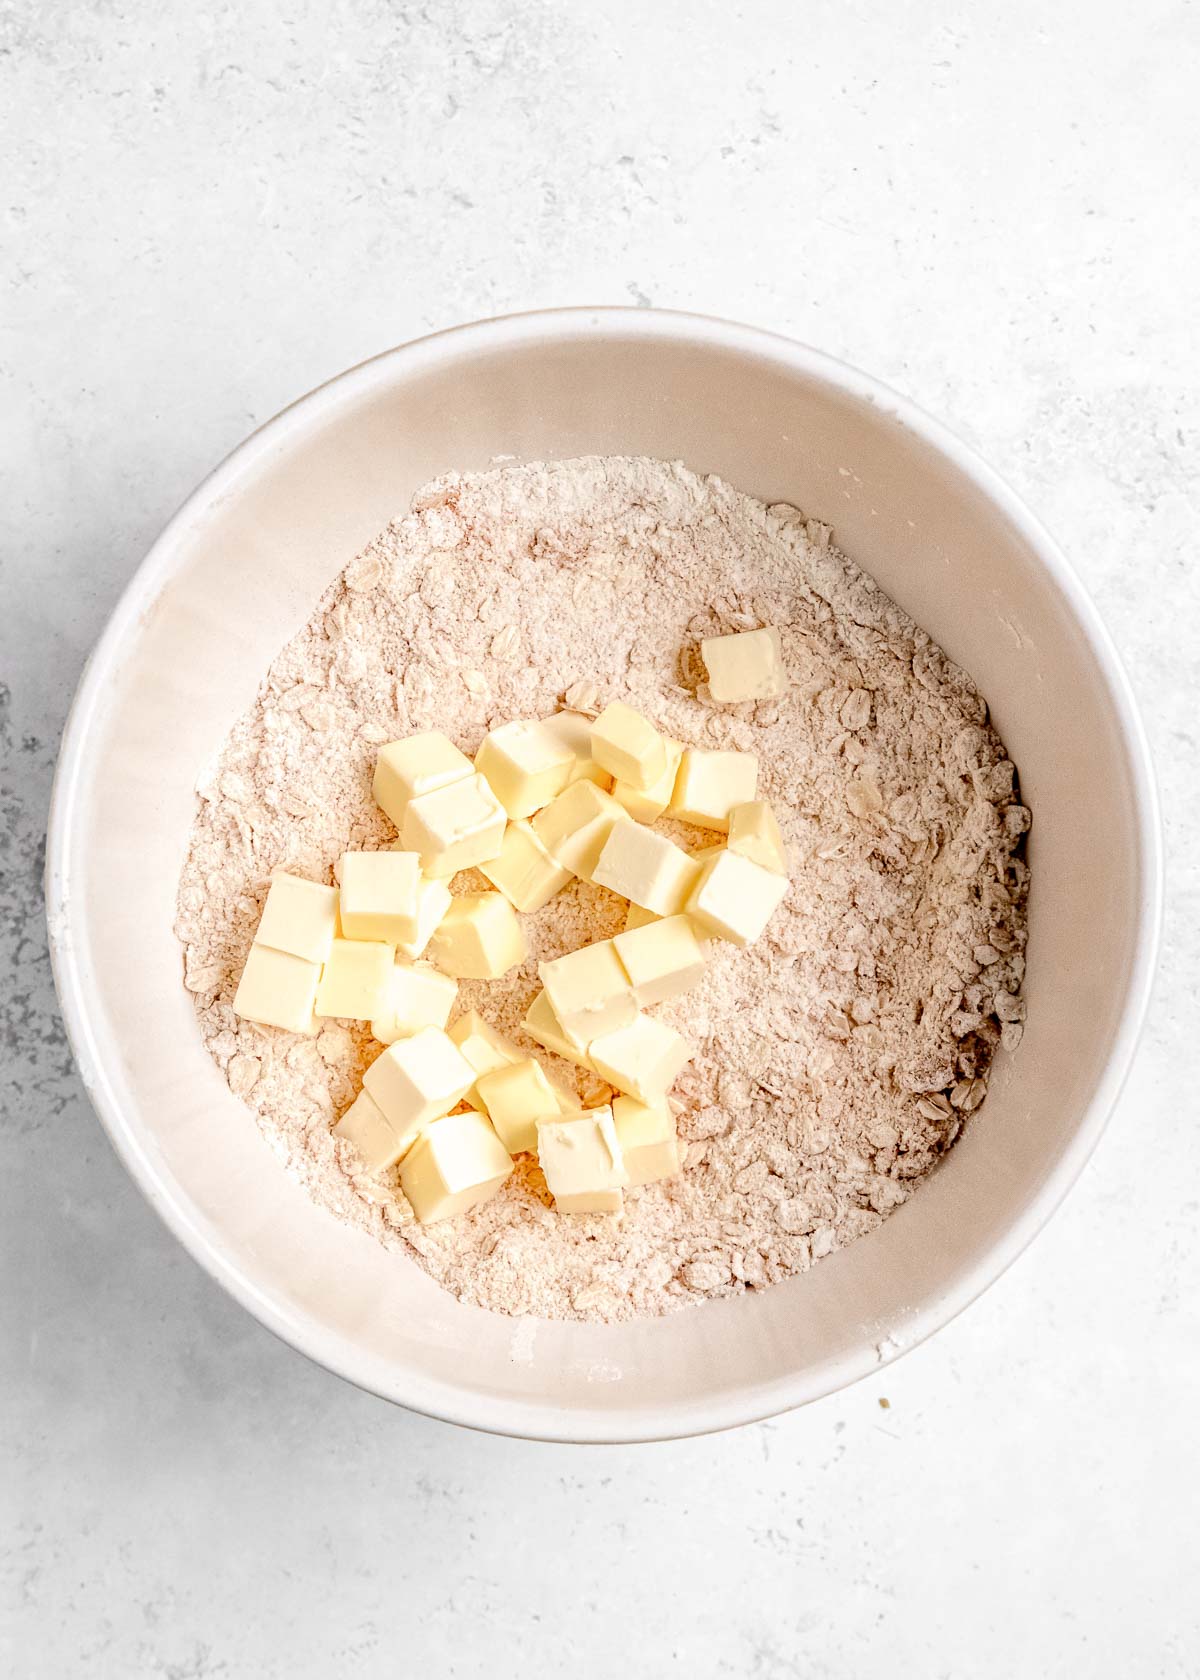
(836, 1060)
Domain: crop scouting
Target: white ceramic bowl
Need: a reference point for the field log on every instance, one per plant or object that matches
(239, 569)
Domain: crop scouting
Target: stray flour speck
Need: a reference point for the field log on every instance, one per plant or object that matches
(837, 1059)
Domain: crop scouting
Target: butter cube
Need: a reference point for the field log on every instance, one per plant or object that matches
(746, 666)
(481, 1044)
(643, 1059)
(366, 1126)
(589, 991)
(456, 1165)
(355, 978)
(662, 959)
(576, 731)
(455, 826)
(277, 989)
(433, 901)
(299, 917)
(581, 1160)
(525, 872)
(735, 898)
(628, 746)
(636, 917)
(516, 1097)
(710, 784)
(542, 1024)
(754, 832)
(418, 1079)
(574, 827)
(479, 937)
(646, 868)
(415, 996)
(648, 805)
(646, 1133)
(379, 895)
(406, 769)
(526, 764)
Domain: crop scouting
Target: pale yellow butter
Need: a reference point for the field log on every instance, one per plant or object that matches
(433, 900)
(525, 872)
(419, 1079)
(457, 1164)
(526, 764)
(455, 827)
(628, 746)
(645, 868)
(647, 805)
(380, 894)
(576, 731)
(734, 898)
(643, 1059)
(662, 959)
(543, 1025)
(646, 1133)
(745, 666)
(404, 770)
(710, 784)
(277, 989)
(589, 991)
(574, 827)
(481, 1044)
(299, 917)
(582, 1163)
(754, 832)
(479, 937)
(355, 978)
(636, 917)
(366, 1126)
(515, 1098)
(415, 996)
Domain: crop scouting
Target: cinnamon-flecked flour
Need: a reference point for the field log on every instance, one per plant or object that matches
(836, 1059)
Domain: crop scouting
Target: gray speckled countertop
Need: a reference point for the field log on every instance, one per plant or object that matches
(208, 210)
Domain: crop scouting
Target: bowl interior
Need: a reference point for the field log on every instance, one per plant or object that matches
(238, 572)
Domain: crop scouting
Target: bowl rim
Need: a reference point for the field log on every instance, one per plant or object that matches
(528, 1419)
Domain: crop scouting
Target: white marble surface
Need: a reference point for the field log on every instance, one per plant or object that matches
(207, 210)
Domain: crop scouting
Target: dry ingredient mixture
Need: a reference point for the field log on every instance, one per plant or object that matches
(837, 1059)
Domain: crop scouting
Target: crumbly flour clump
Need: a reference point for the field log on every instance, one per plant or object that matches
(837, 1059)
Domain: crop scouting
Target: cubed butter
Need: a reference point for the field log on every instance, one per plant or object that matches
(628, 746)
(277, 989)
(481, 1044)
(415, 996)
(645, 868)
(735, 898)
(433, 901)
(418, 1079)
(404, 770)
(662, 959)
(479, 937)
(648, 805)
(299, 917)
(576, 731)
(455, 1165)
(582, 1164)
(643, 1059)
(380, 892)
(526, 765)
(745, 666)
(754, 832)
(367, 1127)
(710, 784)
(355, 979)
(636, 917)
(516, 1097)
(543, 1025)
(455, 827)
(589, 991)
(574, 827)
(525, 872)
(646, 1133)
